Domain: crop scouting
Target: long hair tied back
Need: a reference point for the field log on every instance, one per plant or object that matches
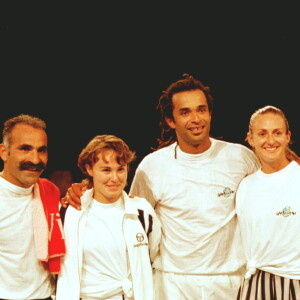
(290, 154)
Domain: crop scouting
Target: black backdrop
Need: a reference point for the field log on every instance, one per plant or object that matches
(96, 70)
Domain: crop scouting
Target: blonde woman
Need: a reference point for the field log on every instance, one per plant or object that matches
(268, 209)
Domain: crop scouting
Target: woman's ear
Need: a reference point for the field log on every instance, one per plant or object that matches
(89, 170)
(289, 134)
(250, 140)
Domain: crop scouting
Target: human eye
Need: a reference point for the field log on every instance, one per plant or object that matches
(25, 148)
(202, 109)
(184, 112)
(261, 133)
(122, 169)
(43, 149)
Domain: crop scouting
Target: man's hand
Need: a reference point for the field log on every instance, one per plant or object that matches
(73, 195)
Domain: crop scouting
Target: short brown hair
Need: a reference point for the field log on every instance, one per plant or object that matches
(100, 143)
(20, 119)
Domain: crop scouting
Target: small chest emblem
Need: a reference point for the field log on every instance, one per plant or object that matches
(286, 212)
(226, 192)
(139, 237)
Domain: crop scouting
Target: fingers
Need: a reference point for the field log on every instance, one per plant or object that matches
(77, 190)
(73, 195)
(71, 199)
(64, 202)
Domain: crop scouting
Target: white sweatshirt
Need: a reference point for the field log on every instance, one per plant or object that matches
(193, 196)
(268, 208)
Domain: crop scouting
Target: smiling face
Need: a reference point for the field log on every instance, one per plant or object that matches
(191, 121)
(269, 138)
(109, 177)
(26, 156)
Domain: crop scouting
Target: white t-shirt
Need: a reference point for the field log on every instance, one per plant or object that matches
(268, 208)
(193, 196)
(104, 265)
(22, 276)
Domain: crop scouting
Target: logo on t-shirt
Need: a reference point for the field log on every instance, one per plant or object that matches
(226, 192)
(140, 239)
(286, 212)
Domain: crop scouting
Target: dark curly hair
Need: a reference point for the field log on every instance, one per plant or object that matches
(165, 105)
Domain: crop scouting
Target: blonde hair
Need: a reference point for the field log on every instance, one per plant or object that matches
(290, 154)
(100, 143)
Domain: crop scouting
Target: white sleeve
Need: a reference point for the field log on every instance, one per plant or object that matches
(154, 237)
(141, 186)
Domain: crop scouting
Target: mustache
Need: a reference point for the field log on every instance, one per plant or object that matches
(27, 165)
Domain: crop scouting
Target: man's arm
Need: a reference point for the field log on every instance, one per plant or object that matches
(73, 195)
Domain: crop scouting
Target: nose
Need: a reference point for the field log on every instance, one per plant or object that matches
(195, 117)
(35, 157)
(114, 176)
(270, 139)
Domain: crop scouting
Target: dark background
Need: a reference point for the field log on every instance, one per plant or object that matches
(89, 70)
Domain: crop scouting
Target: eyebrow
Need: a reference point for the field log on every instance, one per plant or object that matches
(274, 129)
(188, 108)
(41, 148)
(44, 148)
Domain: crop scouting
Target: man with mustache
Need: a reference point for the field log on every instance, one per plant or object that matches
(31, 240)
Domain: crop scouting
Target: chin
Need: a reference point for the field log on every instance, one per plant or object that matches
(29, 180)
(115, 194)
